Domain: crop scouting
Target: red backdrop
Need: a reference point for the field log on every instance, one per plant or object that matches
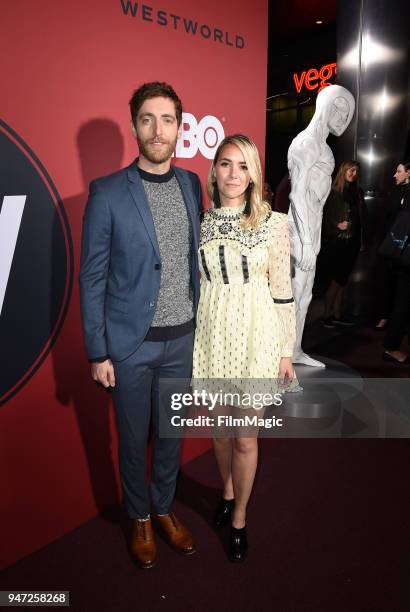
(67, 73)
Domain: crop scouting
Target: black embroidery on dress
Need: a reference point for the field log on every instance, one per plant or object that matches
(216, 225)
(225, 228)
(204, 265)
(289, 301)
(214, 214)
(245, 269)
(223, 264)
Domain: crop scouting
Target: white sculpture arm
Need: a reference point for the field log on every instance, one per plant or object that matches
(302, 157)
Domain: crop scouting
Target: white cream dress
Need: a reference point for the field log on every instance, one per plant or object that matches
(246, 313)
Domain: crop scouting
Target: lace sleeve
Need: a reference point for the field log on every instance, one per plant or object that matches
(279, 280)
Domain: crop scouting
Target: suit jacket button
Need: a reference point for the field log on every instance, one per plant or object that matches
(152, 304)
(157, 266)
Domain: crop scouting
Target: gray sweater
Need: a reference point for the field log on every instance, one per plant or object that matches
(174, 236)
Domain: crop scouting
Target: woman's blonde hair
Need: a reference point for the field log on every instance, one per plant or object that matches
(255, 208)
(339, 180)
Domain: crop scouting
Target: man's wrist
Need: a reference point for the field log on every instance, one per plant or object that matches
(99, 359)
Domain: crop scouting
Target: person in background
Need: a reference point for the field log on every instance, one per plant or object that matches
(385, 269)
(399, 322)
(281, 200)
(267, 194)
(341, 238)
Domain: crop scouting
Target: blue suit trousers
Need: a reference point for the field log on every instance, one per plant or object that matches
(137, 403)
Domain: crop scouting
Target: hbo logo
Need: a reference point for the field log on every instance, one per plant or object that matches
(205, 136)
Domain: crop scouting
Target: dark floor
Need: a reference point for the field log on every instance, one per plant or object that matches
(328, 524)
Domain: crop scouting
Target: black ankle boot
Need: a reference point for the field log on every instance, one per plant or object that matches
(223, 512)
(238, 546)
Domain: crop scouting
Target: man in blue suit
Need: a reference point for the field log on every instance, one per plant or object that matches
(139, 290)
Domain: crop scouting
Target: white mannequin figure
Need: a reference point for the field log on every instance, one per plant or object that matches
(311, 163)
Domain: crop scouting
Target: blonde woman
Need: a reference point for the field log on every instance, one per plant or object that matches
(246, 320)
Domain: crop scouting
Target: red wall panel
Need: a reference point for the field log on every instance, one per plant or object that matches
(68, 70)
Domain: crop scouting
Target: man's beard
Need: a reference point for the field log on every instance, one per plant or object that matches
(156, 157)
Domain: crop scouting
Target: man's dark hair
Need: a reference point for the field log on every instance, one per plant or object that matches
(155, 89)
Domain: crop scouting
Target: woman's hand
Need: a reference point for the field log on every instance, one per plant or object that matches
(286, 368)
(343, 225)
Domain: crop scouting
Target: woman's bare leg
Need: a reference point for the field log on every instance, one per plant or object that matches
(223, 454)
(244, 462)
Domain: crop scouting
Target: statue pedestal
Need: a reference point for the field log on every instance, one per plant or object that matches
(329, 406)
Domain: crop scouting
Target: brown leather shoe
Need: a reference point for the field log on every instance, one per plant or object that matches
(142, 544)
(175, 533)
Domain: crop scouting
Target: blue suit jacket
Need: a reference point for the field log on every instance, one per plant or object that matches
(120, 261)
